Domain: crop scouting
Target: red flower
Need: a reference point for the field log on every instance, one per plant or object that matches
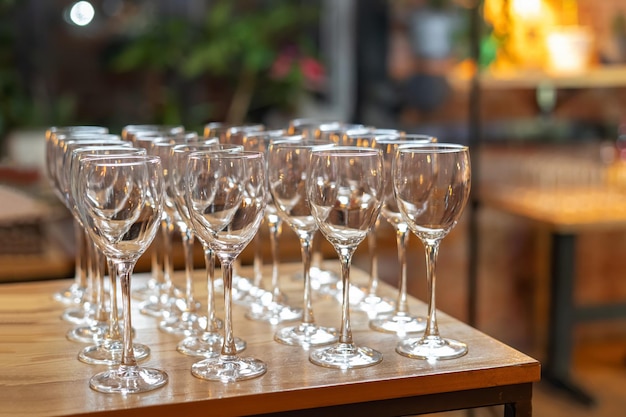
(312, 70)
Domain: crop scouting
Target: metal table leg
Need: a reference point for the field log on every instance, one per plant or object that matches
(556, 370)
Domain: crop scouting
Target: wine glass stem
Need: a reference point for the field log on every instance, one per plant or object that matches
(317, 251)
(188, 238)
(89, 298)
(432, 250)
(275, 231)
(157, 260)
(305, 248)
(167, 230)
(114, 328)
(209, 262)
(228, 349)
(124, 269)
(402, 238)
(81, 256)
(371, 241)
(258, 261)
(345, 257)
(98, 268)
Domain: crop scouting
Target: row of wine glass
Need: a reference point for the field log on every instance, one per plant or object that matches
(218, 188)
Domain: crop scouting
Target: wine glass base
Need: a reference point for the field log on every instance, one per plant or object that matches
(228, 368)
(373, 305)
(319, 277)
(335, 291)
(345, 356)
(207, 345)
(128, 380)
(72, 295)
(254, 295)
(306, 334)
(431, 348)
(151, 289)
(185, 324)
(88, 334)
(78, 315)
(273, 313)
(242, 286)
(154, 308)
(110, 354)
(400, 324)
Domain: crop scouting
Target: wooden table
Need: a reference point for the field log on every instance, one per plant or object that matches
(564, 214)
(40, 375)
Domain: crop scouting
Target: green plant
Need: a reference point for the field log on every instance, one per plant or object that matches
(241, 43)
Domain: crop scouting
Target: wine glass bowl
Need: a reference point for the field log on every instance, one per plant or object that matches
(431, 183)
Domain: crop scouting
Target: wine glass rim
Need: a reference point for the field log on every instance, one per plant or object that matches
(162, 137)
(111, 146)
(347, 150)
(77, 129)
(96, 150)
(245, 128)
(415, 139)
(66, 144)
(169, 142)
(64, 137)
(438, 147)
(369, 132)
(311, 121)
(339, 127)
(206, 148)
(271, 133)
(303, 143)
(119, 160)
(293, 138)
(153, 128)
(226, 154)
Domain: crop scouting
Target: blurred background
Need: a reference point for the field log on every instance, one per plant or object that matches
(537, 88)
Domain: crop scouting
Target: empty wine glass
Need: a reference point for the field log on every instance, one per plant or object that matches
(121, 208)
(345, 191)
(287, 170)
(432, 185)
(370, 301)
(93, 316)
(75, 292)
(158, 285)
(183, 316)
(242, 286)
(108, 346)
(323, 279)
(207, 341)
(400, 321)
(86, 312)
(270, 306)
(226, 198)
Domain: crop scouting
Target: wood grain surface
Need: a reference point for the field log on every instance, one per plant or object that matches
(41, 376)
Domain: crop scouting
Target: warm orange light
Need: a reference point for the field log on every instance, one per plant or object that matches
(527, 9)
(538, 34)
